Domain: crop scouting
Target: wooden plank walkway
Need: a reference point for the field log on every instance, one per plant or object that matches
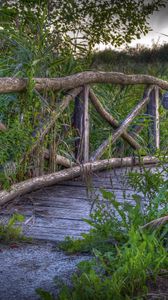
(56, 212)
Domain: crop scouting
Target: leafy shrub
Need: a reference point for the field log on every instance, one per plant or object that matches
(125, 256)
(119, 276)
(111, 220)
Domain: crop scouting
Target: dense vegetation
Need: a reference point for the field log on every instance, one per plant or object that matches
(35, 42)
(128, 257)
(24, 114)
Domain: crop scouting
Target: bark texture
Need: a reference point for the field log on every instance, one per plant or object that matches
(10, 85)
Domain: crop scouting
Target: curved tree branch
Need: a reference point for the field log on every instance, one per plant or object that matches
(10, 85)
(36, 183)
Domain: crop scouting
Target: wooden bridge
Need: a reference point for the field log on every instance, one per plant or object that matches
(55, 203)
(54, 212)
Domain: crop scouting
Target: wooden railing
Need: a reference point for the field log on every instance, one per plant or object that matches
(78, 87)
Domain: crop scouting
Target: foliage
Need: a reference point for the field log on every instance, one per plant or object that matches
(111, 220)
(32, 46)
(126, 256)
(10, 231)
(139, 55)
(119, 276)
(25, 114)
(44, 294)
(78, 25)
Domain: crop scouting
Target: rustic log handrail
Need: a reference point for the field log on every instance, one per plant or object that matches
(36, 183)
(77, 85)
(11, 85)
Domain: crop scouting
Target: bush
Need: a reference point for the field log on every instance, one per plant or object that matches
(126, 255)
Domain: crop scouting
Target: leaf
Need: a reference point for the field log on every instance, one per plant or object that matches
(44, 294)
(106, 194)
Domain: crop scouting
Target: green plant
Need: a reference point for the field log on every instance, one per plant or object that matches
(11, 231)
(122, 275)
(111, 220)
(127, 256)
(44, 295)
(80, 27)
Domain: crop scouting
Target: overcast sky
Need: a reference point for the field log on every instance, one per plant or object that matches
(159, 25)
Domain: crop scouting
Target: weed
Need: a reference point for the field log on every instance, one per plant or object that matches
(125, 256)
(119, 276)
(10, 231)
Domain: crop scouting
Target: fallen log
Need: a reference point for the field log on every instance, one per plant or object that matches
(11, 85)
(36, 183)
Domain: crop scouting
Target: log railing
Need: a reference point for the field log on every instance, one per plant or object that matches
(81, 89)
(77, 88)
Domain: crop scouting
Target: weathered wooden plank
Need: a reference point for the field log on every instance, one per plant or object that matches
(59, 210)
(67, 203)
(79, 193)
(56, 229)
(48, 236)
(61, 223)
(53, 213)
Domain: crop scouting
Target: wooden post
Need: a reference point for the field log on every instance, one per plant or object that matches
(81, 124)
(86, 125)
(153, 112)
(78, 125)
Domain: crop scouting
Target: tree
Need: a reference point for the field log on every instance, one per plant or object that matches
(81, 23)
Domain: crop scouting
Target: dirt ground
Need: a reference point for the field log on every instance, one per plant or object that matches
(24, 268)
